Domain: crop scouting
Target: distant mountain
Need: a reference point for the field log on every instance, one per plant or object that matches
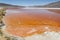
(9, 5)
(50, 5)
(54, 5)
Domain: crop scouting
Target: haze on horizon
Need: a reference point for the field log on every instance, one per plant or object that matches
(28, 2)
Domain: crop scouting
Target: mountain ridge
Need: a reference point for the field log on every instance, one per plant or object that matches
(50, 5)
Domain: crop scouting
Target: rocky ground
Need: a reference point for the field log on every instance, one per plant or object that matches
(2, 35)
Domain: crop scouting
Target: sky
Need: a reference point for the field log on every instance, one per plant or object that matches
(28, 2)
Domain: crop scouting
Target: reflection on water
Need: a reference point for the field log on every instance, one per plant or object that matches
(27, 10)
(43, 13)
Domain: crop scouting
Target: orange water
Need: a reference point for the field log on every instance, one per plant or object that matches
(31, 21)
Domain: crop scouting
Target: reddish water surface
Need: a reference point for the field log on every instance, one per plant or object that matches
(27, 22)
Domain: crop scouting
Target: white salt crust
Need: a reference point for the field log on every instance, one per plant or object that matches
(45, 36)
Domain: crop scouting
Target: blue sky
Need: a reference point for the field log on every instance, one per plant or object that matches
(27, 2)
